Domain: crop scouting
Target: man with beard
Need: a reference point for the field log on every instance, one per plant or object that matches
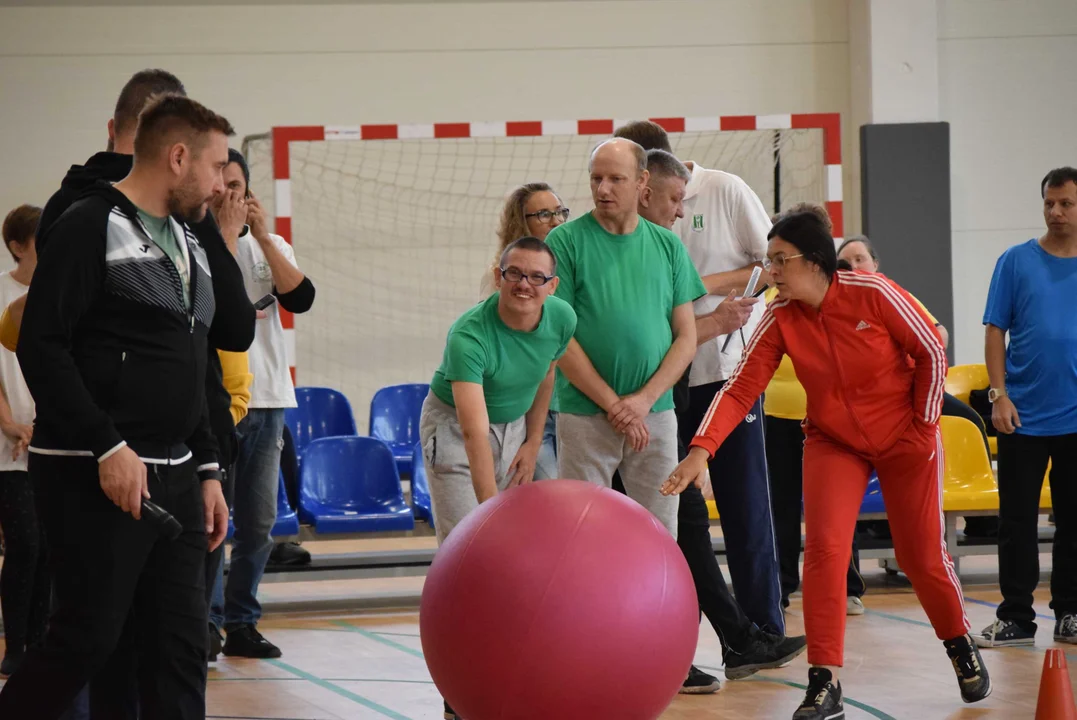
(113, 347)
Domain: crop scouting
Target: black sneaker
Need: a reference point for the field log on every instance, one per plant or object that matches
(216, 642)
(12, 661)
(822, 701)
(972, 675)
(449, 714)
(246, 641)
(1004, 633)
(289, 554)
(764, 652)
(1066, 629)
(700, 683)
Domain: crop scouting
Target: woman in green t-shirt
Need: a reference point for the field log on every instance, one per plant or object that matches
(482, 423)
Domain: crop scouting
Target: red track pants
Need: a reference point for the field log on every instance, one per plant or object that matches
(835, 479)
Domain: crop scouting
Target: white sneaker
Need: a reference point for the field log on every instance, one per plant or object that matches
(854, 605)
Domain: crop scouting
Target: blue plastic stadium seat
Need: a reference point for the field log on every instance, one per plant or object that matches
(394, 419)
(420, 491)
(873, 497)
(349, 485)
(322, 412)
(287, 522)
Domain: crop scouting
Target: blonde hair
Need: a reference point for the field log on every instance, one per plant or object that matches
(513, 224)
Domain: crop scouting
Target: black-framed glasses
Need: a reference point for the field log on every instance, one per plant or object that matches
(547, 216)
(515, 275)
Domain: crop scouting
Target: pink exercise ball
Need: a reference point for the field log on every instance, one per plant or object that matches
(559, 599)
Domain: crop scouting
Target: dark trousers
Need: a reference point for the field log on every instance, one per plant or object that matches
(694, 538)
(122, 592)
(24, 579)
(785, 463)
(1022, 462)
(742, 494)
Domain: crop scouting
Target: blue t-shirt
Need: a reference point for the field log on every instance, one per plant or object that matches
(1033, 295)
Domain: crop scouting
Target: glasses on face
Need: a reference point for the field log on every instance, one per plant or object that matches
(515, 275)
(778, 262)
(547, 216)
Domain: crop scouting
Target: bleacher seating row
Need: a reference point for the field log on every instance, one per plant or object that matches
(352, 484)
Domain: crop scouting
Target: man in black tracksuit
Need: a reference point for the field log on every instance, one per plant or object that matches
(232, 329)
(113, 347)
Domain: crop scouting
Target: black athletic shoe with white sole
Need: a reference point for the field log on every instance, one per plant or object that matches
(764, 652)
(972, 675)
(822, 701)
(1066, 629)
(700, 683)
(1005, 633)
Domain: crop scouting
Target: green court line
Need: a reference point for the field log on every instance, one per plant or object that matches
(874, 712)
(377, 638)
(395, 634)
(326, 685)
(898, 618)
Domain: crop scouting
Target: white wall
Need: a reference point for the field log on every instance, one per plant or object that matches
(1008, 87)
(343, 64)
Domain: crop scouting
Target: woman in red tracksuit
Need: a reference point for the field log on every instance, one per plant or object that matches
(874, 370)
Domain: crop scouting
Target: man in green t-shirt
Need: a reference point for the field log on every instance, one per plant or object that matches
(482, 423)
(631, 284)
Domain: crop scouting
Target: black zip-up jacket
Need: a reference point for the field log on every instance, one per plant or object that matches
(233, 323)
(107, 347)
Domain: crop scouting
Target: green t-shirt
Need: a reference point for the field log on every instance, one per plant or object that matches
(161, 231)
(509, 364)
(623, 289)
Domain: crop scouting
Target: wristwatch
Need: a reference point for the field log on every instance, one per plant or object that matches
(994, 394)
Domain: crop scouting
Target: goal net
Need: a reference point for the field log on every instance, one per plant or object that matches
(397, 234)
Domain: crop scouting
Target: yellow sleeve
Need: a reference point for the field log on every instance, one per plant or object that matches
(236, 374)
(926, 311)
(9, 331)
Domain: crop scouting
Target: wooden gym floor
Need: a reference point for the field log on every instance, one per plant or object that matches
(368, 664)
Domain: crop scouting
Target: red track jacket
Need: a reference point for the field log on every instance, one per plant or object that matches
(870, 361)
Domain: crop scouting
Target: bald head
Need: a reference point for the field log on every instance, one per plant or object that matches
(619, 150)
(618, 170)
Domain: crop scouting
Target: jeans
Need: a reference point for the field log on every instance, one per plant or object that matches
(546, 465)
(235, 604)
(1022, 462)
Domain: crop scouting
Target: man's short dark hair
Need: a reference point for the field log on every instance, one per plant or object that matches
(1057, 178)
(20, 226)
(662, 165)
(532, 243)
(176, 118)
(139, 89)
(646, 133)
(235, 156)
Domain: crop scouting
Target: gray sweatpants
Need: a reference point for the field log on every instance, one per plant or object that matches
(589, 449)
(452, 494)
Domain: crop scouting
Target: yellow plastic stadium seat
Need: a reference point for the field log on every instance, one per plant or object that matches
(969, 483)
(992, 442)
(1045, 493)
(963, 379)
(712, 510)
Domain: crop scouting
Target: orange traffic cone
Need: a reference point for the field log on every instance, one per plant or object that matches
(1056, 691)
